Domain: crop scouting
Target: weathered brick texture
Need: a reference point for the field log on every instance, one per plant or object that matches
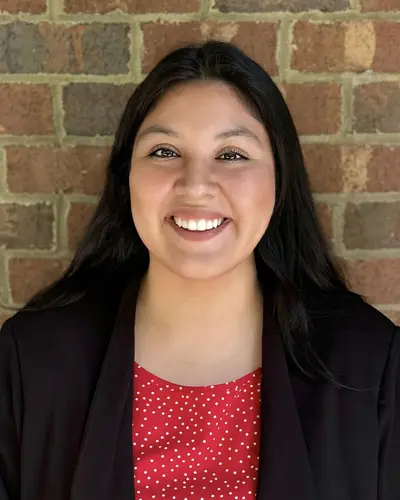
(380, 6)
(29, 275)
(68, 67)
(347, 46)
(335, 169)
(258, 39)
(26, 109)
(78, 218)
(376, 279)
(377, 108)
(372, 225)
(315, 107)
(98, 49)
(26, 226)
(94, 108)
(69, 170)
(16, 6)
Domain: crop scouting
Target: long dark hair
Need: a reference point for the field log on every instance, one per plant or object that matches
(293, 252)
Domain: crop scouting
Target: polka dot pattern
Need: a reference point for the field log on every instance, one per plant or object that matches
(195, 442)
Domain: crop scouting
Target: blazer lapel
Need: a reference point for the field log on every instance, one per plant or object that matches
(105, 465)
(284, 468)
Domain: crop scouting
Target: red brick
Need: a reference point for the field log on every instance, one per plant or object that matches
(333, 168)
(387, 52)
(16, 6)
(26, 109)
(384, 169)
(78, 169)
(250, 6)
(132, 6)
(26, 226)
(323, 163)
(377, 107)
(257, 39)
(335, 47)
(380, 5)
(78, 218)
(97, 48)
(372, 225)
(316, 107)
(85, 117)
(346, 46)
(324, 213)
(28, 276)
(377, 280)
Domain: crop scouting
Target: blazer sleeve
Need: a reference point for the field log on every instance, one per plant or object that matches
(10, 414)
(389, 419)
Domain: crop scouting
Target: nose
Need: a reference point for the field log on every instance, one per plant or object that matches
(196, 180)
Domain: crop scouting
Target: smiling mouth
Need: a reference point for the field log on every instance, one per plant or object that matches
(198, 224)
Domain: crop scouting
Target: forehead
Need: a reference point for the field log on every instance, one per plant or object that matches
(200, 95)
(202, 105)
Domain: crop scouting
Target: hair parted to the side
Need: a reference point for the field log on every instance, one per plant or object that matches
(293, 251)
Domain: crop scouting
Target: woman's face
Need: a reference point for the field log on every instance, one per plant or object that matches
(202, 181)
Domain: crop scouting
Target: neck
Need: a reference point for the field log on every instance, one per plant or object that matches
(206, 318)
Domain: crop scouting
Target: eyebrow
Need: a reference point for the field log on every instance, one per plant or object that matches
(239, 131)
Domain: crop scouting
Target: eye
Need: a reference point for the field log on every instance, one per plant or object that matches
(233, 156)
(163, 153)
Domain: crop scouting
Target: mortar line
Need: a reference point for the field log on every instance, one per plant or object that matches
(378, 139)
(284, 49)
(205, 8)
(347, 107)
(3, 171)
(62, 224)
(355, 5)
(120, 17)
(370, 255)
(131, 50)
(49, 9)
(117, 17)
(57, 8)
(3, 281)
(50, 78)
(58, 113)
(388, 307)
(338, 209)
(356, 197)
(137, 48)
(29, 199)
(5, 278)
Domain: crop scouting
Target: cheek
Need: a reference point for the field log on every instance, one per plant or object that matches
(148, 190)
(255, 194)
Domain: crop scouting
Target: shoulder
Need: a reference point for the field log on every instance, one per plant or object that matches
(61, 335)
(351, 336)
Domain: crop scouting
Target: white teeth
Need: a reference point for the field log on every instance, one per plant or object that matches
(198, 225)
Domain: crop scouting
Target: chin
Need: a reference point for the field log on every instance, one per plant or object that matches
(199, 272)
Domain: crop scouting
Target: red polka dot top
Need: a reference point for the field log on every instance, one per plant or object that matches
(195, 442)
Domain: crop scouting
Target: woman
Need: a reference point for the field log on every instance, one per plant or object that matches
(202, 343)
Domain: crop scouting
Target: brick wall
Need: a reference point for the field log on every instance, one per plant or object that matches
(68, 66)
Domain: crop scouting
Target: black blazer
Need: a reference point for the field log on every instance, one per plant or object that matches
(66, 406)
